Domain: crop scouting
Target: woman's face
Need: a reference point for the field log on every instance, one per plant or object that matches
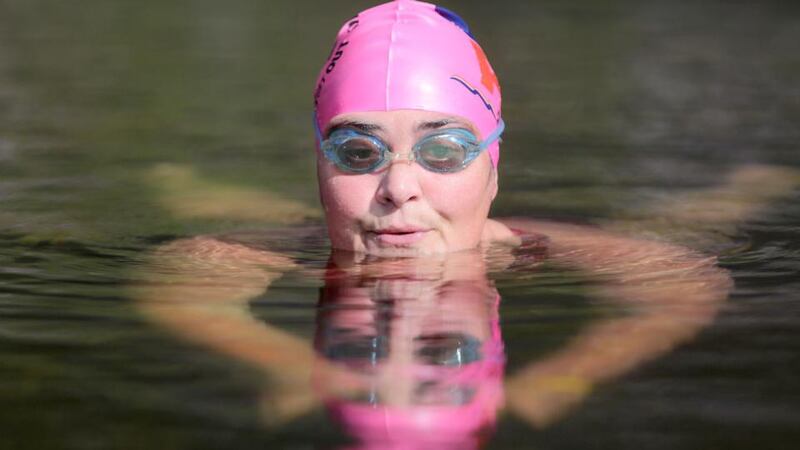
(403, 209)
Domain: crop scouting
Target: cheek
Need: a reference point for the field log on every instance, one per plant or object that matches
(461, 198)
(345, 197)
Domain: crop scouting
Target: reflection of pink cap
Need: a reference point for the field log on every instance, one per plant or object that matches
(431, 426)
(440, 426)
(409, 55)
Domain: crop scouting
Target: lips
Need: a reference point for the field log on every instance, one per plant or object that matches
(399, 236)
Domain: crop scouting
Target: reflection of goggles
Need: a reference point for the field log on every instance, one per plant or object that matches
(449, 403)
(443, 151)
(444, 365)
(443, 349)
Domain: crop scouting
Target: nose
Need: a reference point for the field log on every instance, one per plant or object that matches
(400, 184)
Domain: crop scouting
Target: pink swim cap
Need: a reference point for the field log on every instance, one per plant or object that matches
(409, 55)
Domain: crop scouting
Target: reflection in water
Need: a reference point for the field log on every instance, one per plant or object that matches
(407, 353)
(616, 106)
(424, 353)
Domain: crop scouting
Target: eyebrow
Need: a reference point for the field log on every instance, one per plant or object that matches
(361, 126)
(424, 126)
(436, 124)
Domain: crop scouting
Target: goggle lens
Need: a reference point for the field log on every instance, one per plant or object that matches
(358, 154)
(444, 153)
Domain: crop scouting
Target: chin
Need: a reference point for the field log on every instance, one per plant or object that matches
(367, 244)
(426, 247)
(403, 252)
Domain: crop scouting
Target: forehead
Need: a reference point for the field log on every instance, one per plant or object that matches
(405, 120)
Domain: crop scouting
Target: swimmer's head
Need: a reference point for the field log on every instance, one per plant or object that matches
(407, 54)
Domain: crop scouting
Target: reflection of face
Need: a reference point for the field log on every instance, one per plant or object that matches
(404, 209)
(411, 330)
(416, 349)
(407, 347)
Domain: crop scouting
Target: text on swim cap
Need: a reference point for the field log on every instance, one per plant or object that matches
(336, 54)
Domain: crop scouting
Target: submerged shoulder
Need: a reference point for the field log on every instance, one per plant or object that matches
(594, 248)
(497, 232)
(567, 233)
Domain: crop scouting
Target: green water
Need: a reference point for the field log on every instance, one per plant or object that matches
(611, 107)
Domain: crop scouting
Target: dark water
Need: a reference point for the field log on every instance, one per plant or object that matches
(115, 115)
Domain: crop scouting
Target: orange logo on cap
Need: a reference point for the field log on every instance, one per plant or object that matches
(488, 78)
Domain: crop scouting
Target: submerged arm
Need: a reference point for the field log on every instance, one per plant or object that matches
(188, 195)
(708, 218)
(199, 289)
(669, 292)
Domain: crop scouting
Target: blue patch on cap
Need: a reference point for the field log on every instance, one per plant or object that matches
(455, 18)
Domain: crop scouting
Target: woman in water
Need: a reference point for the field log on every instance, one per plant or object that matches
(408, 124)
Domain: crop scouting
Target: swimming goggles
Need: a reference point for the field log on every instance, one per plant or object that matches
(444, 151)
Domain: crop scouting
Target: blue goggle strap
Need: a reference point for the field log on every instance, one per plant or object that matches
(501, 126)
(317, 131)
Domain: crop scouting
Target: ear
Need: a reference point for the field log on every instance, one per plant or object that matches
(493, 187)
(321, 195)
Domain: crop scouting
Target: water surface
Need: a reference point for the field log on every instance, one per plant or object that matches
(115, 114)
